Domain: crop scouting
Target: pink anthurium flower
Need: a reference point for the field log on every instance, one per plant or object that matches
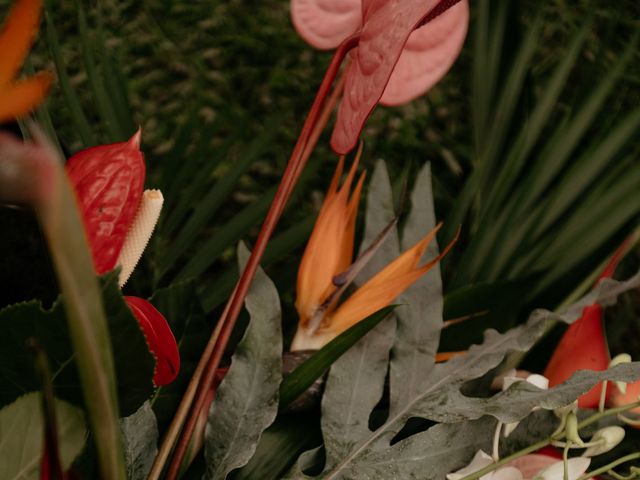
(427, 55)
(378, 43)
(119, 218)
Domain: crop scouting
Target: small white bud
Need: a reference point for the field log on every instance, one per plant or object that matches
(618, 360)
(607, 438)
(509, 428)
(571, 429)
(480, 460)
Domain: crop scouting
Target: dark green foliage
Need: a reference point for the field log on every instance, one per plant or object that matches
(25, 320)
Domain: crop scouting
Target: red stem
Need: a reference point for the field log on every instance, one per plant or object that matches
(438, 10)
(291, 174)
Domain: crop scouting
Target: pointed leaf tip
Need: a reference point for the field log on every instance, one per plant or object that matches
(108, 181)
(160, 339)
(136, 140)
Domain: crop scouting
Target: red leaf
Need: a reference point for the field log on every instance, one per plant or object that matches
(583, 347)
(108, 180)
(386, 27)
(160, 339)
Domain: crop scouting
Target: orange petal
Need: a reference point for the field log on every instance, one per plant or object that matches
(350, 231)
(444, 356)
(17, 35)
(618, 399)
(330, 245)
(583, 347)
(20, 97)
(385, 286)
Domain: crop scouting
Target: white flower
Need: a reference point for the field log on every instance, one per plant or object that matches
(607, 439)
(528, 467)
(576, 468)
(618, 360)
(509, 379)
(481, 460)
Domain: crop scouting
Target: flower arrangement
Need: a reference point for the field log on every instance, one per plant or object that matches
(478, 319)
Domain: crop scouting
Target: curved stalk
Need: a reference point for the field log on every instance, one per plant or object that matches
(201, 381)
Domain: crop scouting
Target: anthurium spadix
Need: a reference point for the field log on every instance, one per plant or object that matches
(119, 218)
(19, 96)
(326, 268)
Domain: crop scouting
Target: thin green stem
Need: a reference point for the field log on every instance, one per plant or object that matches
(565, 460)
(610, 466)
(612, 411)
(525, 451)
(549, 440)
(603, 396)
(496, 442)
(617, 476)
(629, 421)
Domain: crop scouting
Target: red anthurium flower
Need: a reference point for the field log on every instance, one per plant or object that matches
(584, 344)
(583, 347)
(427, 56)
(108, 180)
(159, 338)
(632, 394)
(119, 219)
(386, 27)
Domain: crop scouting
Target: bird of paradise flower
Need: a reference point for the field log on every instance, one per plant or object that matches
(20, 96)
(326, 268)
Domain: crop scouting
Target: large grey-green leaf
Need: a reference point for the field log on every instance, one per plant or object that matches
(140, 441)
(420, 311)
(22, 433)
(247, 399)
(425, 456)
(441, 399)
(356, 381)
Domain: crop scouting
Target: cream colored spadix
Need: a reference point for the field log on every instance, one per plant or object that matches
(140, 233)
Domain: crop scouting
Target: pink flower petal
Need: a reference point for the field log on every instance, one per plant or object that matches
(386, 28)
(323, 24)
(530, 465)
(428, 55)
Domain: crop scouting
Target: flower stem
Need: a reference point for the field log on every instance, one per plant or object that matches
(610, 466)
(603, 396)
(496, 442)
(521, 453)
(193, 400)
(549, 440)
(612, 411)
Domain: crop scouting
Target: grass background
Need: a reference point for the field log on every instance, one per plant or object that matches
(232, 70)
